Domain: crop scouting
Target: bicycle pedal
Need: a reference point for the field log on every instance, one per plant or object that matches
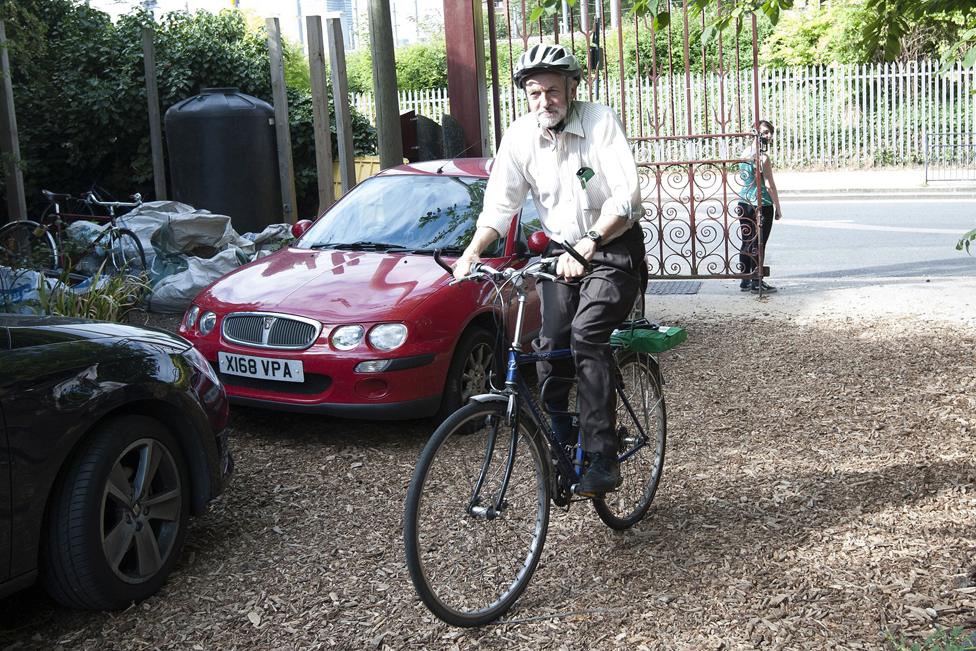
(574, 490)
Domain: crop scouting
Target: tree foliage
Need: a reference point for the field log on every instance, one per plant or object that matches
(884, 28)
(418, 67)
(817, 37)
(891, 21)
(79, 90)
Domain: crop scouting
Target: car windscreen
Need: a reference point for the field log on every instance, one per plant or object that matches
(416, 213)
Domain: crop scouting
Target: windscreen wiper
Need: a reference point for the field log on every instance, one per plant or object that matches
(360, 246)
(445, 250)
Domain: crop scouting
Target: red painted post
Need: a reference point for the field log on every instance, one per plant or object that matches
(466, 85)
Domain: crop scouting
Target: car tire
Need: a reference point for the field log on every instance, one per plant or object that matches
(472, 361)
(111, 537)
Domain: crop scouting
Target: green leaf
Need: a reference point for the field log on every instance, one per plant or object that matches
(536, 14)
(708, 33)
(970, 58)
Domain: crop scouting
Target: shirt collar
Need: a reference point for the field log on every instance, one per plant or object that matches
(574, 124)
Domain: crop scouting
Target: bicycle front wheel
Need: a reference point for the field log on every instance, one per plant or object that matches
(25, 244)
(468, 560)
(126, 254)
(642, 428)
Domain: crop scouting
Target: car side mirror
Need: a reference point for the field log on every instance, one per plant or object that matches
(300, 227)
(538, 242)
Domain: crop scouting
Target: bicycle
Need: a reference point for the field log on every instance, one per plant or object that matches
(490, 472)
(28, 244)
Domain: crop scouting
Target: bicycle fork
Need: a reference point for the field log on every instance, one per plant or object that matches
(493, 510)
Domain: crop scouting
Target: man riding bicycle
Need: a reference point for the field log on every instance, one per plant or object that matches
(574, 158)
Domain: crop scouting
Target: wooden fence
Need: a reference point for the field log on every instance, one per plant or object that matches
(825, 116)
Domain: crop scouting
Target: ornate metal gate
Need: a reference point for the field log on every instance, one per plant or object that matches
(690, 107)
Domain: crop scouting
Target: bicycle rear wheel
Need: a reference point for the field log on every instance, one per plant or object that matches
(643, 431)
(126, 254)
(468, 563)
(25, 244)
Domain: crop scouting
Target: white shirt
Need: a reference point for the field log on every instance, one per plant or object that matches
(531, 157)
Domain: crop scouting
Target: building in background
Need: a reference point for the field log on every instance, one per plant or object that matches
(414, 21)
(290, 13)
(346, 17)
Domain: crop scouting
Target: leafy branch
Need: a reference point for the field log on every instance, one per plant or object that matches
(659, 11)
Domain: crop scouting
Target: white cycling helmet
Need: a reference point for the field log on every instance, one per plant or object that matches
(546, 58)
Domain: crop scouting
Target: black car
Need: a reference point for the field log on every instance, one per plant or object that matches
(110, 437)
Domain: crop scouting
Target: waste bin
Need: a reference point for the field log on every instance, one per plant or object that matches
(223, 157)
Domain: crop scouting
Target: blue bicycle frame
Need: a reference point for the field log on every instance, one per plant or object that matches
(517, 391)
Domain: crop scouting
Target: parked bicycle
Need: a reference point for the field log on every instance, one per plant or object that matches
(477, 508)
(43, 245)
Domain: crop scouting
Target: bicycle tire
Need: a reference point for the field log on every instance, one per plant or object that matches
(441, 536)
(642, 459)
(25, 244)
(125, 254)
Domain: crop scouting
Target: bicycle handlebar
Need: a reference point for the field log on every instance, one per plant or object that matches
(90, 197)
(544, 268)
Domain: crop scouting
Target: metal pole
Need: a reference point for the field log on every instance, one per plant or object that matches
(388, 135)
(340, 100)
(320, 113)
(16, 199)
(495, 95)
(301, 33)
(282, 132)
(155, 126)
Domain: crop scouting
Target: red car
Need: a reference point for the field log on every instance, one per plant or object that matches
(356, 318)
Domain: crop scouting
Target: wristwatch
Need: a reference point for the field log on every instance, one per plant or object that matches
(593, 235)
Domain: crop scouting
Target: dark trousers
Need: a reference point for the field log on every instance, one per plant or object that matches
(749, 253)
(581, 315)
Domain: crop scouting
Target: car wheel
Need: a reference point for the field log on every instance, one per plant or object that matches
(118, 518)
(470, 367)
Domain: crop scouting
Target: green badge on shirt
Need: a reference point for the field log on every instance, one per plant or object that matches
(584, 174)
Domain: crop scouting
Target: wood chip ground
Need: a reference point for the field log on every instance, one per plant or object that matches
(819, 493)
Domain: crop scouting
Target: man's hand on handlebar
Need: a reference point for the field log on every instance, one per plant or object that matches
(569, 267)
(463, 265)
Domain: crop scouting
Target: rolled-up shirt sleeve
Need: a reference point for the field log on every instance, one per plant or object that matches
(620, 169)
(506, 190)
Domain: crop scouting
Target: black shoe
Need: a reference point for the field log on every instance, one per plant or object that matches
(768, 289)
(601, 477)
(745, 286)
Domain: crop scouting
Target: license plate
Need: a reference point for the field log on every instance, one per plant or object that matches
(266, 368)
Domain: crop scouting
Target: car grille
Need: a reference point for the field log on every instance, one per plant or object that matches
(268, 330)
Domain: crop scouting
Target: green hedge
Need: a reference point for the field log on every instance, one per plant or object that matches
(79, 91)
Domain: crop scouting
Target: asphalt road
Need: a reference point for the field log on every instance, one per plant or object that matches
(861, 239)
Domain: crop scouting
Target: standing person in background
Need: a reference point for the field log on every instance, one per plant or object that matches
(769, 207)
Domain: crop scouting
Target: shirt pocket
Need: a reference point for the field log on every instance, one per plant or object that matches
(595, 194)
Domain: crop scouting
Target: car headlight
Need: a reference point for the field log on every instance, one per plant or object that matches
(388, 336)
(207, 323)
(347, 337)
(190, 319)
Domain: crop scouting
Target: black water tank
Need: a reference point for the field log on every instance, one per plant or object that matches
(222, 157)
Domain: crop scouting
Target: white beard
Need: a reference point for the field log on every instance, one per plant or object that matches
(550, 120)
